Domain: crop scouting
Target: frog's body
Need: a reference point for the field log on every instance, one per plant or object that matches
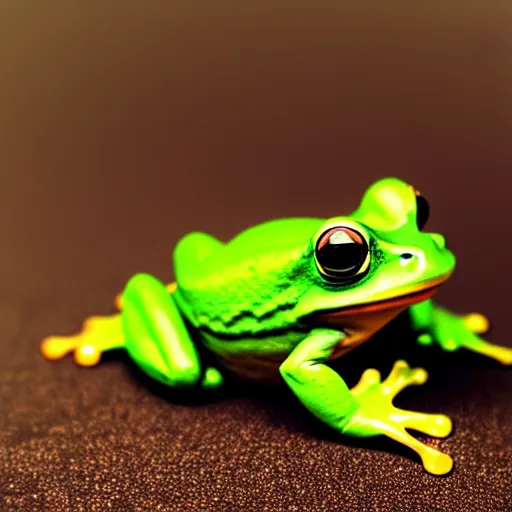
(248, 312)
(284, 297)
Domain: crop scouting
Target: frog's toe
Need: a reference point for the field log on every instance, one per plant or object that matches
(501, 354)
(83, 347)
(449, 344)
(369, 378)
(402, 376)
(212, 379)
(98, 335)
(425, 339)
(434, 461)
(437, 463)
(56, 347)
(507, 359)
(477, 323)
(435, 425)
(478, 345)
(87, 355)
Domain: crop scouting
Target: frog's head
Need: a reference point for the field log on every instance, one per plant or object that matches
(377, 255)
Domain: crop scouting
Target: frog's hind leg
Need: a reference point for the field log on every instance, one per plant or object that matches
(171, 288)
(150, 328)
(98, 335)
(158, 340)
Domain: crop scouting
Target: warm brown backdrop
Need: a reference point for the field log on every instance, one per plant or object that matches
(125, 125)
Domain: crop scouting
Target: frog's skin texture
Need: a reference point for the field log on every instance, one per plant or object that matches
(283, 298)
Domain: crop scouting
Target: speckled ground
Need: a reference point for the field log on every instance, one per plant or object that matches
(108, 439)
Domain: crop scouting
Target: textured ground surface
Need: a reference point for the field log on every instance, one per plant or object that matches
(121, 130)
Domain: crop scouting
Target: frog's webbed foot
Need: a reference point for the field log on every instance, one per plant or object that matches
(377, 415)
(452, 331)
(98, 335)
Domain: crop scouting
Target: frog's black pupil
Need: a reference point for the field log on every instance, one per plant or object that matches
(422, 211)
(341, 252)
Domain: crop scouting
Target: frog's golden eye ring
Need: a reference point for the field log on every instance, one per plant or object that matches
(342, 253)
(422, 209)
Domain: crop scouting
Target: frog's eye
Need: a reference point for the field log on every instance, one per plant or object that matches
(342, 253)
(422, 209)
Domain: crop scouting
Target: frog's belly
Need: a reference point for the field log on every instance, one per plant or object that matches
(249, 361)
(254, 358)
(254, 367)
(259, 359)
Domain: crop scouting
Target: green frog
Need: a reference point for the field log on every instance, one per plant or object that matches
(284, 298)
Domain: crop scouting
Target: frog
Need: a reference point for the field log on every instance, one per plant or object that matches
(282, 299)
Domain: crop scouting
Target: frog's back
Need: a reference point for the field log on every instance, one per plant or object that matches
(198, 254)
(275, 235)
(247, 285)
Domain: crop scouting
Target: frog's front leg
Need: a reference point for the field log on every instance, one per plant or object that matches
(452, 331)
(150, 328)
(367, 409)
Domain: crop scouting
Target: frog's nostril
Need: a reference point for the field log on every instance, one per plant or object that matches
(405, 258)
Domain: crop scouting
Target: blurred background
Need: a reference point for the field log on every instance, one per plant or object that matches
(125, 125)
(124, 128)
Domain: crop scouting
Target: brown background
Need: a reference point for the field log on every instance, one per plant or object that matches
(121, 129)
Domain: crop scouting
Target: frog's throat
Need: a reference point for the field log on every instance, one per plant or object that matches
(396, 302)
